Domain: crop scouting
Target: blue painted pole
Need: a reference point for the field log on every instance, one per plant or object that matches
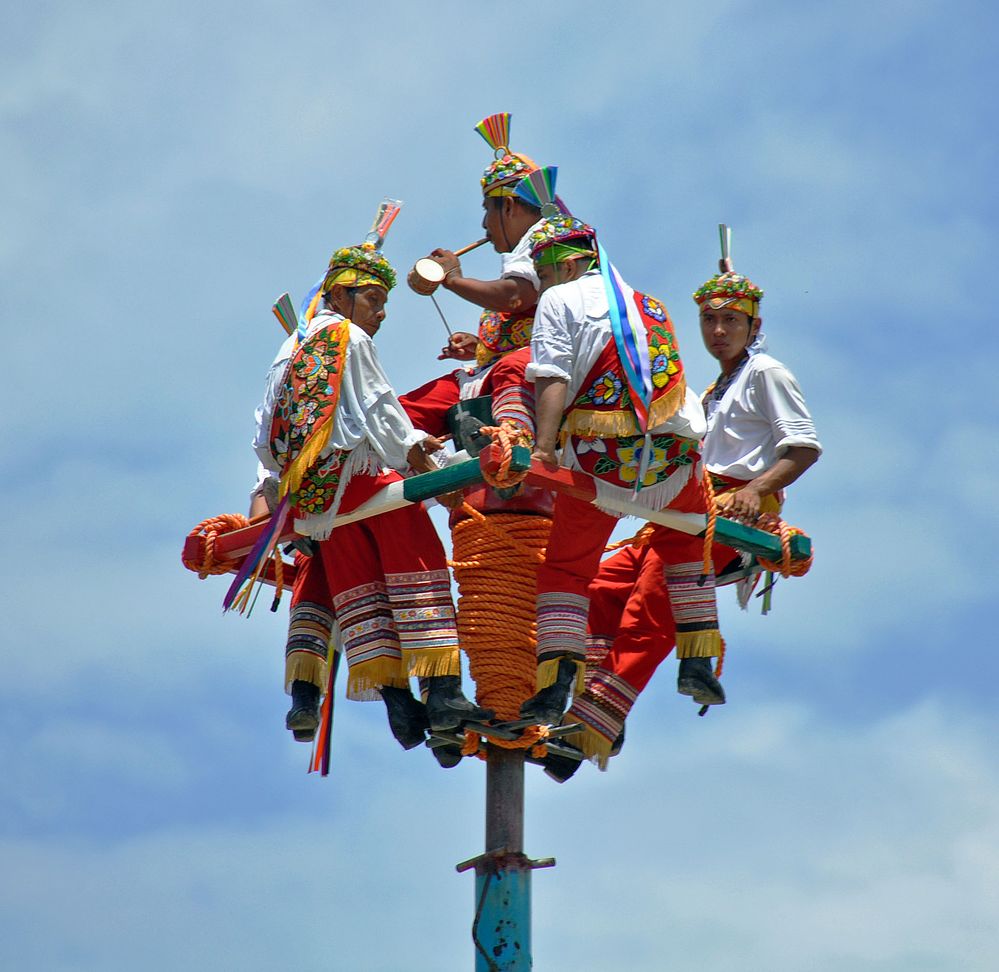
(501, 931)
(502, 927)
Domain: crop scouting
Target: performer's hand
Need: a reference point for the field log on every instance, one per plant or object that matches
(744, 504)
(546, 458)
(449, 263)
(460, 346)
(419, 456)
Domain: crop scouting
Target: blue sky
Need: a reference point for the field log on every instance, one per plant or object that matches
(170, 168)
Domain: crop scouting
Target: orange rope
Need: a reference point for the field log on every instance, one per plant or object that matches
(709, 533)
(495, 565)
(211, 528)
(278, 577)
(533, 738)
(772, 523)
(505, 436)
(640, 539)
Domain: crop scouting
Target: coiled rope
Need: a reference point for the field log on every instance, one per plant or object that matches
(211, 529)
(495, 560)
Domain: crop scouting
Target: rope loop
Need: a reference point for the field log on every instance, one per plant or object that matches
(212, 528)
(505, 436)
(787, 567)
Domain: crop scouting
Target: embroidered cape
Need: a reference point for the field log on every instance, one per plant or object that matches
(604, 408)
(303, 419)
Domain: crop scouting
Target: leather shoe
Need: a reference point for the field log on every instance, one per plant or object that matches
(547, 706)
(447, 707)
(696, 679)
(303, 716)
(407, 716)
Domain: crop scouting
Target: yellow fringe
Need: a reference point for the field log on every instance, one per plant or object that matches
(548, 672)
(366, 678)
(303, 666)
(314, 445)
(612, 425)
(596, 748)
(431, 662)
(698, 644)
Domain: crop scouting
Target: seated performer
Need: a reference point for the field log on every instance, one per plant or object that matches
(329, 426)
(760, 439)
(501, 348)
(608, 374)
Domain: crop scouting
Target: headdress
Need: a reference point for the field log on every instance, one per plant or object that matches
(563, 237)
(359, 266)
(560, 236)
(354, 266)
(728, 288)
(502, 175)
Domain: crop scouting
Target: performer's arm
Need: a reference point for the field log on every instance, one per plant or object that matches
(549, 406)
(796, 460)
(507, 294)
(386, 424)
(778, 398)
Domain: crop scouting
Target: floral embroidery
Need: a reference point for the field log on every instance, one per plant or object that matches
(318, 489)
(619, 461)
(303, 417)
(653, 308)
(663, 354)
(606, 390)
(590, 443)
(306, 404)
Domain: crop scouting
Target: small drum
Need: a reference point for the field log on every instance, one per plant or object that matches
(426, 276)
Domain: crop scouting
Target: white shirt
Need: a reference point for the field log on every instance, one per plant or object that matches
(572, 326)
(518, 262)
(761, 415)
(368, 413)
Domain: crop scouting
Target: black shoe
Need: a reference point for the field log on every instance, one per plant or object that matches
(447, 708)
(407, 716)
(546, 708)
(561, 768)
(697, 680)
(447, 756)
(618, 743)
(303, 716)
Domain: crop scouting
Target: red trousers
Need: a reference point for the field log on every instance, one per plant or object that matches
(512, 394)
(579, 535)
(391, 591)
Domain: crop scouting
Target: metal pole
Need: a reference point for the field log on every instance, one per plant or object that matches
(502, 927)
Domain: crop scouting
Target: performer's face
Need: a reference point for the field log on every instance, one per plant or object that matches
(496, 219)
(727, 332)
(551, 274)
(365, 306)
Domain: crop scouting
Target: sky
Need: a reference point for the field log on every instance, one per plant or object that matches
(170, 168)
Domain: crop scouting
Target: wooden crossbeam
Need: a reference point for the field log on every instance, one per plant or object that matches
(234, 546)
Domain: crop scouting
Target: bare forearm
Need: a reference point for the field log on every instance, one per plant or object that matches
(549, 406)
(507, 294)
(790, 467)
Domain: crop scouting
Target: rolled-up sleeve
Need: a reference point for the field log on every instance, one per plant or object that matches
(386, 425)
(781, 401)
(551, 340)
